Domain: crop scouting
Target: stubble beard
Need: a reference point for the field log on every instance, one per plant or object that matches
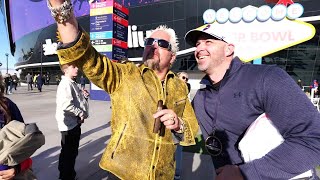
(207, 67)
(203, 67)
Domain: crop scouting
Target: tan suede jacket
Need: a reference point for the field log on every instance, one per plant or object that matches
(134, 151)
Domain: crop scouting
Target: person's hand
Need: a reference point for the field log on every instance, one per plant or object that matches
(56, 3)
(229, 172)
(7, 174)
(85, 93)
(81, 119)
(169, 118)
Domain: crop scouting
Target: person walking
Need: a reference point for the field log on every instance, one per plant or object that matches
(82, 82)
(39, 82)
(29, 81)
(15, 81)
(8, 83)
(35, 79)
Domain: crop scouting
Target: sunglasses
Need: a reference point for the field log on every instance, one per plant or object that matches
(161, 43)
(185, 78)
(213, 145)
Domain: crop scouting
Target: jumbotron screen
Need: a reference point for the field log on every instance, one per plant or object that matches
(30, 15)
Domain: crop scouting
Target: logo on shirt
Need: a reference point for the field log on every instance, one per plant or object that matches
(237, 95)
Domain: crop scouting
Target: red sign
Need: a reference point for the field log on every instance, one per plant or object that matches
(285, 2)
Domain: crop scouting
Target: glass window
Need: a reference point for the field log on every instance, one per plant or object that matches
(180, 28)
(159, 13)
(179, 10)
(301, 61)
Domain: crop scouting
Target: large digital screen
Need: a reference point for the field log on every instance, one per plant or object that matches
(30, 15)
(27, 16)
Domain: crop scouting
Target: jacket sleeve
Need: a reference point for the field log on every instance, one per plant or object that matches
(98, 68)
(191, 126)
(298, 122)
(24, 165)
(15, 112)
(19, 141)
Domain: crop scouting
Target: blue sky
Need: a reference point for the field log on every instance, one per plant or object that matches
(4, 47)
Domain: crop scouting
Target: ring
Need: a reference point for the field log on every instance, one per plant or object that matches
(172, 118)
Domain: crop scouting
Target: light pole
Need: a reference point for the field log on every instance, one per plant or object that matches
(41, 59)
(7, 61)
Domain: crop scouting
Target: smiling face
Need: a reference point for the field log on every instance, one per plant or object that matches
(156, 57)
(211, 53)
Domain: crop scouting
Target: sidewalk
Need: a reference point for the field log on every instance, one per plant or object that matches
(40, 108)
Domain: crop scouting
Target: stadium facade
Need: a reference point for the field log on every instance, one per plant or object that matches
(30, 27)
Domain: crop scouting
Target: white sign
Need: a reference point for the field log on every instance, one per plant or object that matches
(258, 39)
(49, 48)
(250, 13)
(94, 87)
(135, 37)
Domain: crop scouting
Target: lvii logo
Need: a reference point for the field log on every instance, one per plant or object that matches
(136, 38)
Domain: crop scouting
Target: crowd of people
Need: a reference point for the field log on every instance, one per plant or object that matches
(10, 82)
(152, 113)
(37, 81)
(313, 89)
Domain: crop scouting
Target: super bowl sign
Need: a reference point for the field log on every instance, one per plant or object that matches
(257, 32)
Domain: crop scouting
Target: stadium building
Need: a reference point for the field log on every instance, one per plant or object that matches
(30, 27)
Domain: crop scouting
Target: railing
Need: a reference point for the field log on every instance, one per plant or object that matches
(304, 88)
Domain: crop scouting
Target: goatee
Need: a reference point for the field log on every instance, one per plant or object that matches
(152, 64)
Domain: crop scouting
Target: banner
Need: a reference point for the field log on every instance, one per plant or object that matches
(108, 35)
(260, 31)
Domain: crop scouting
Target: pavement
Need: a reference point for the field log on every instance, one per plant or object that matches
(40, 108)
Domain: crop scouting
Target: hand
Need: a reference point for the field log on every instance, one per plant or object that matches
(81, 119)
(7, 174)
(85, 93)
(56, 3)
(169, 118)
(229, 172)
(68, 30)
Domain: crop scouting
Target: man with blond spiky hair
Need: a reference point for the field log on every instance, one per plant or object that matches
(136, 149)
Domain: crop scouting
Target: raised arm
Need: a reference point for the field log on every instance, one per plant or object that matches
(69, 28)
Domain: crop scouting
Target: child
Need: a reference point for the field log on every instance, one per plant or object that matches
(72, 109)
